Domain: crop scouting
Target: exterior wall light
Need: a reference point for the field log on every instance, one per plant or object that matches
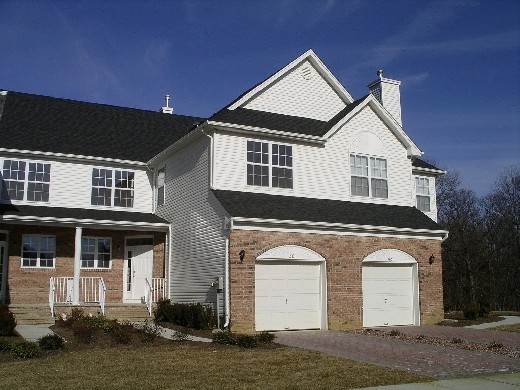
(432, 259)
(242, 253)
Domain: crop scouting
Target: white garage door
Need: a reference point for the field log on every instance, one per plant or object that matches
(388, 295)
(287, 296)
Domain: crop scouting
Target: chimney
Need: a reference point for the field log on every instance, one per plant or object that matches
(386, 91)
(167, 109)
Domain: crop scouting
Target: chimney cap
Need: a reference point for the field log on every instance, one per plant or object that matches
(167, 109)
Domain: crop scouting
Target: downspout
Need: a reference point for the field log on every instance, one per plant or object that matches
(227, 283)
(210, 156)
(169, 267)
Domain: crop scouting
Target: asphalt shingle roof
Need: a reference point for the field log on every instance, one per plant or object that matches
(288, 123)
(257, 205)
(423, 164)
(77, 213)
(42, 123)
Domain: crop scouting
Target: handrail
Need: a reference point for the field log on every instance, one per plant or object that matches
(148, 294)
(51, 295)
(102, 288)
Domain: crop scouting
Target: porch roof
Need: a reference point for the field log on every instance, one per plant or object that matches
(109, 219)
(290, 208)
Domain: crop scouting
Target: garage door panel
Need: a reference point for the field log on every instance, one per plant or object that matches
(387, 295)
(288, 296)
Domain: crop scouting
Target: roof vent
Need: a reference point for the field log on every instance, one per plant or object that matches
(306, 71)
(167, 109)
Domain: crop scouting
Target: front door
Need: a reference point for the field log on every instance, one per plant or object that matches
(138, 269)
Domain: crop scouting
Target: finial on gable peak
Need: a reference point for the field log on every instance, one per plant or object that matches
(380, 73)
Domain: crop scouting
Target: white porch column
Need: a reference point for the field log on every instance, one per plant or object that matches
(77, 265)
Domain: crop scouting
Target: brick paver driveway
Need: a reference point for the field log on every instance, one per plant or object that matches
(435, 361)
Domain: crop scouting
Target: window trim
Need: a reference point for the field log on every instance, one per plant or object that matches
(269, 164)
(96, 253)
(369, 175)
(38, 252)
(113, 188)
(26, 180)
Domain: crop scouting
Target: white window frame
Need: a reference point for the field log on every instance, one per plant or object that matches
(372, 172)
(270, 164)
(42, 180)
(96, 253)
(161, 186)
(111, 185)
(423, 192)
(38, 251)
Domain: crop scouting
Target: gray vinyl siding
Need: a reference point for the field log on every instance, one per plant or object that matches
(198, 240)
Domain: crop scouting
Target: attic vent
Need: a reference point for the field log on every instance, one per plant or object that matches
(306, 72)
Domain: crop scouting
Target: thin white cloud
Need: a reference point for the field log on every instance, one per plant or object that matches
(157, 54)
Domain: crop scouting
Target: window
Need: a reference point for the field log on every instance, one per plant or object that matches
(264, 171)
(24, 180)
(422, 192)
(38, 251)
(369, 181)
(160, 186)
(112, 188)
(95, 252)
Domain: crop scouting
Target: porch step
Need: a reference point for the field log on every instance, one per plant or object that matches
(32, 314)
(130, 313)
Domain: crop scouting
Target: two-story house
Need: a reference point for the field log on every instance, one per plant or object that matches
(293, 207)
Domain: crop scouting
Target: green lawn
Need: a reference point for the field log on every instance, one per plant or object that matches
(193, 366)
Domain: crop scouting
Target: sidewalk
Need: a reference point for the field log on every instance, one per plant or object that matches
(508, 320)
(33, 332)
(491, 382)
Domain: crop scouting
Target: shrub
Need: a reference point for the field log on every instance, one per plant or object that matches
(5, 346)
(265, 337)
(122, 333)
(247, 341)
(484, 310)
(243, 340)
(148, 332)
(7, 321)
(471, 312)
(51, 342)
(192, 315)
(26, 350)
(224, 338)
(84, 331)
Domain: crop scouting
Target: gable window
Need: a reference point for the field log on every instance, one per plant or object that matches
(160, 186)
(269, 165)
(95, 252)
(38, 251)
(422, 191)
(368, 176)
(112, 188)
(22, 180)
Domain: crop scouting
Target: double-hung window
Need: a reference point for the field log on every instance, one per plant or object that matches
(25, 180)
(369, 176)
(269, 165)
(95, 252)
(112, 188)
(422, 193)
(38, 251)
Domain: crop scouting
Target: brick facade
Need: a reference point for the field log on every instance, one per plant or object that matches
(31, 285)
(344, 255)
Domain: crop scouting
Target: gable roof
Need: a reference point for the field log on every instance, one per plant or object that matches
(47, 124)
(275, 207)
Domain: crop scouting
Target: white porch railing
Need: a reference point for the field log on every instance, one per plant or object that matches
(155, 290)
(91, 290)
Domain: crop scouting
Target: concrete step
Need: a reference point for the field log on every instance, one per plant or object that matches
(32, 314)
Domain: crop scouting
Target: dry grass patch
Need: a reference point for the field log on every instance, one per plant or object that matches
(508, 328)
(194, 365)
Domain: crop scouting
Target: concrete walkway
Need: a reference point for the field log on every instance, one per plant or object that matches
(508, 320)
(489, 382)
(174, 335)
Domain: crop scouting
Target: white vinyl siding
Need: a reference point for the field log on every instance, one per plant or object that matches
(323, 171)
(301, 92)
(198, 242)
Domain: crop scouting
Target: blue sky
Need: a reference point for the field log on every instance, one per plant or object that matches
(459, 61)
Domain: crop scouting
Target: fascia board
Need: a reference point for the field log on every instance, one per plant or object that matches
(92, 223)
(334, 228)
(72, 157)
(231, 127)
(311, 56)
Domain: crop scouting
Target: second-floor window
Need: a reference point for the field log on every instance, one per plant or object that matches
(160, 186)
(368, 176)
(112, 188)
(422, 193)
(25, 180)
(269, 165)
